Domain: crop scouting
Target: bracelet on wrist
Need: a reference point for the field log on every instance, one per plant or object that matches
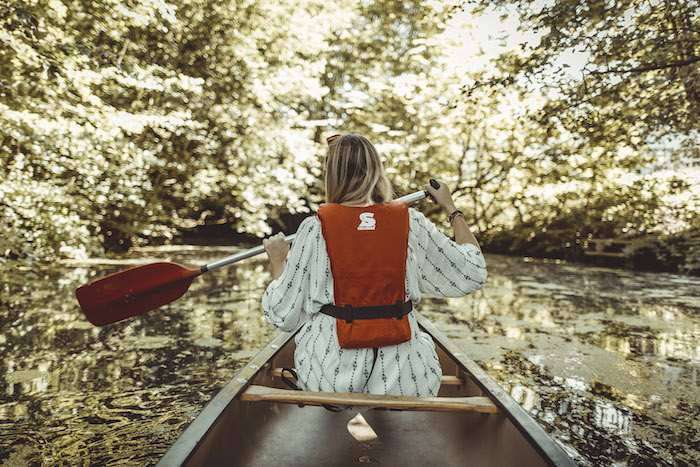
(454, 215)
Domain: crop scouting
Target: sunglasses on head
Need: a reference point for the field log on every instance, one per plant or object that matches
(330, 139)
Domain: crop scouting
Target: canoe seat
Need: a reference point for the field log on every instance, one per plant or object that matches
(256, 393)
(447, 380)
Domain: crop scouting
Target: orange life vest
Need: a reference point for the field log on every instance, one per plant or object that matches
(367, 247)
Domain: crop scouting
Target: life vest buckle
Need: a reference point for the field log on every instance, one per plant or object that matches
(349, 313)
(402, 308)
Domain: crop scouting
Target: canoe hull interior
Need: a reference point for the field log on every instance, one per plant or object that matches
(256, 432)
(269, 433)
(264, 434)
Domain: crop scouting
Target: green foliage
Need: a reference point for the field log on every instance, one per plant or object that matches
(130, 121)
(125, 123)
(593, 171)
(642, 63)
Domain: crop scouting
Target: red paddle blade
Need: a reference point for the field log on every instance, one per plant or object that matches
(134, 291)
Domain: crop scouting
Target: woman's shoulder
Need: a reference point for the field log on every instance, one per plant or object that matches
(309, 225)
(414, 213)
(417, 217)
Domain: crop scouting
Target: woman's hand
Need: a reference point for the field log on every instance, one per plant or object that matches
(277, 251)
(443, 197)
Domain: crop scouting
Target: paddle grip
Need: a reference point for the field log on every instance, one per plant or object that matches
(433, 183)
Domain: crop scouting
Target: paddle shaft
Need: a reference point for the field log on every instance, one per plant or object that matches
(144, 288)
(408, 199)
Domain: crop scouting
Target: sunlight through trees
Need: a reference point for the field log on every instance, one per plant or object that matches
(129, 123)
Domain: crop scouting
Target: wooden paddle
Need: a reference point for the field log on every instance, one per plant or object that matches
(144, 288)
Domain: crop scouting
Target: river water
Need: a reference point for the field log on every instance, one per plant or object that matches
(607, 361)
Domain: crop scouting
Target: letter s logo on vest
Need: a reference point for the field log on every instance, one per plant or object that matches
(368, 221)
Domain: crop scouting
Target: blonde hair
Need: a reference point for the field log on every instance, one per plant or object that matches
(354, 172)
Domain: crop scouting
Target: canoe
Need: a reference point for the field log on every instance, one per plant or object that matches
(255, 420)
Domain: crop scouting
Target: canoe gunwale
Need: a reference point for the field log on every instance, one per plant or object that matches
(186, 445)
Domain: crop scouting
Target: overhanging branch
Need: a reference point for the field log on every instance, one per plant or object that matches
(650, 67)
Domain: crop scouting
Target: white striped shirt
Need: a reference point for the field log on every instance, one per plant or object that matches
(435, 265)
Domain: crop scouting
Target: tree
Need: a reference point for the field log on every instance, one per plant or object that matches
(128, 123)
(123, 124)
(640, 78)
(590, 170)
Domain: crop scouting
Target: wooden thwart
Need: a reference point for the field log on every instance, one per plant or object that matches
(447, 380)
(256, 393)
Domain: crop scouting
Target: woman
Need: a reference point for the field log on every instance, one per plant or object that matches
(377, 251)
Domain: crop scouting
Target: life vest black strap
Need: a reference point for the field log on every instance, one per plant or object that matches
(350, 313)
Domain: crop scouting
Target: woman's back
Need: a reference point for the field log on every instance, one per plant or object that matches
(395, 359)
(434, 265)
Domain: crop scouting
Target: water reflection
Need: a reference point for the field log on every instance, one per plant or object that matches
(79, 395)
(606, 360)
